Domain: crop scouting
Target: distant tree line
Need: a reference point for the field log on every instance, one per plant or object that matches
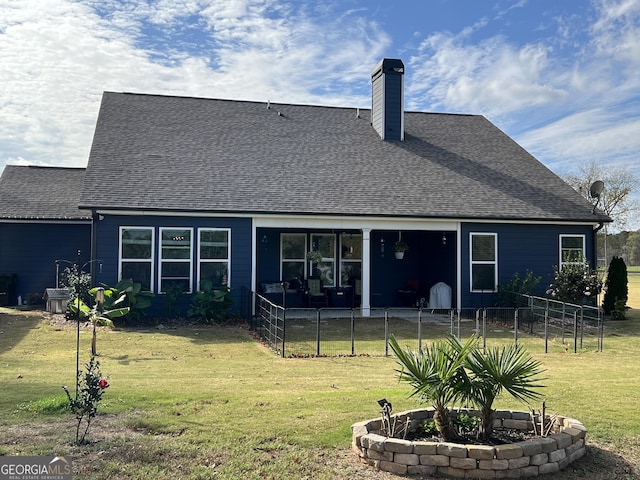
(625, 245)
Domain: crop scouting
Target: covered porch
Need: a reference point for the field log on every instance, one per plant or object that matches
(355, 261)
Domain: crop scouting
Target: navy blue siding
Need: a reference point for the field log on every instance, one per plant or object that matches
(30, 250)
(268, 255)
(520, 248)
(107, 243)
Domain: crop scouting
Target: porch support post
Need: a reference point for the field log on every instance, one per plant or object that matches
(366, 272)
(459, 266)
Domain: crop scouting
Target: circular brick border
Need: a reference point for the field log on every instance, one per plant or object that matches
(528, 458)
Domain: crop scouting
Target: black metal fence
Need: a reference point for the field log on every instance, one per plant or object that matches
(543, 325)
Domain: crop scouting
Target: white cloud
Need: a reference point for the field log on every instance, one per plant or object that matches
(561, 109)
(58, 56)
(586, 135)
(570, 93)
(491, 77)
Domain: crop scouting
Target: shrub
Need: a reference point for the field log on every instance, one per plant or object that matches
(77, 281)
(211, 304)
(89, 390)
(510, 294)
(616, 289)
(576, 283)
(172, 299)
(466, 424)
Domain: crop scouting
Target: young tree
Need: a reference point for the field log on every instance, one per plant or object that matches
(437, 375)
(508, 368)
(449, 372)
(617, 289)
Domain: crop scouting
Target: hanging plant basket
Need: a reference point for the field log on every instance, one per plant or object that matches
(399, 248)
(314, 256)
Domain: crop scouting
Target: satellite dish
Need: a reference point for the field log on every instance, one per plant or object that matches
(596, 189)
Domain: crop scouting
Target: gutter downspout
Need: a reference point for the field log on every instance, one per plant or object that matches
(595, 244)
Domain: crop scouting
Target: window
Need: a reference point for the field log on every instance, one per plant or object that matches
(572, 250)
(350, 258)
(326, 268)
(214, 256)
(136, 255)
(293, 252)
(175, 259)
(484, 262)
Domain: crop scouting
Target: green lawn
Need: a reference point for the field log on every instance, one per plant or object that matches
(212, 402)
(634, 290)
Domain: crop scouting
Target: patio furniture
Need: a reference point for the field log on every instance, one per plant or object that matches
(440, 296)
(408, 295)
(316, 296)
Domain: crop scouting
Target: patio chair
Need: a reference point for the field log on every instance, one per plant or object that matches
(316, 296)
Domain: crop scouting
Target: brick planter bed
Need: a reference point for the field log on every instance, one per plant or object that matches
(527, 458)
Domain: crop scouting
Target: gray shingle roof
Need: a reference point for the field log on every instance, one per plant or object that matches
(193, 154)
(41, 193)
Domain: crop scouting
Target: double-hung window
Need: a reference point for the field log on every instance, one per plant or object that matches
(326, 268)
(350, 258)
(176, 252)
(214, 256)
(137, 255)
(293, 253)
(484, 262)
(572, 250)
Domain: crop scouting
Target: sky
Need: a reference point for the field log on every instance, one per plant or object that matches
(562, 78)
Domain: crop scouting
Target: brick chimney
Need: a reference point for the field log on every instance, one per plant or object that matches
(387, 99)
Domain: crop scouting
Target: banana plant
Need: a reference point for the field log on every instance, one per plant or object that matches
(108, 304)
(136, 299)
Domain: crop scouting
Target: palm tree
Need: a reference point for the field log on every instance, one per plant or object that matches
(509, 368)
(437, 375)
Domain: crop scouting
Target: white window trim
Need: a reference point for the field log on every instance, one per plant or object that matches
(483, 262)
(584, 248)
(151, 260)
(303, 259)
(332, 259)
(161, 260)
(342, 260)
(217, 260)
